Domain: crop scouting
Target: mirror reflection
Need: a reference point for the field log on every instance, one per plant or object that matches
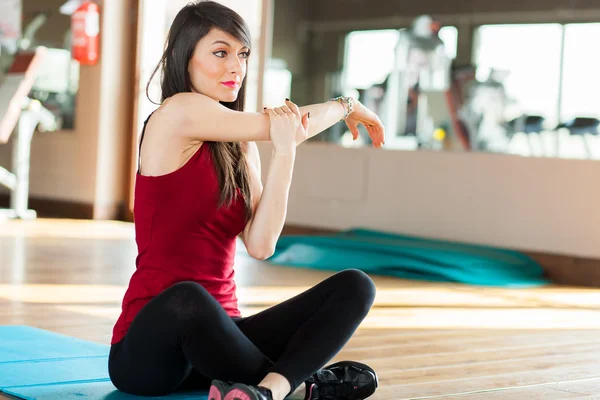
(28, 24)
(526, 89)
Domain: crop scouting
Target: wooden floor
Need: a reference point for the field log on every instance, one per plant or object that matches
(426, 340)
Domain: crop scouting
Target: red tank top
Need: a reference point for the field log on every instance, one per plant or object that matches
(181, 235)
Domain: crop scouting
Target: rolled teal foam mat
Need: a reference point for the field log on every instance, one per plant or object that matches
(410, 257)
(37, 364)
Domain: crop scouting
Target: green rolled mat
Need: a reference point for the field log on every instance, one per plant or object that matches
(410, 257)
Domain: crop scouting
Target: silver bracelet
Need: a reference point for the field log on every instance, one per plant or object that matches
(347, 103)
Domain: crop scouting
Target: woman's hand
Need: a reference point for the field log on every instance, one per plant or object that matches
(362, 115)
(289, 128)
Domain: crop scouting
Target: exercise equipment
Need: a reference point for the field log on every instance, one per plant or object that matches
(582, 133)
(421, 64)
(38, 364)
(410, 257)
(18, 110)
(484, 113)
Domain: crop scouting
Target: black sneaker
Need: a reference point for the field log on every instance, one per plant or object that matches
(345, 380)
(239, 391)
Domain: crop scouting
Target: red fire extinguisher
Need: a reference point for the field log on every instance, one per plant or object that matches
(85, 28)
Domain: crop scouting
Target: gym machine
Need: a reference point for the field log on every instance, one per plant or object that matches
(18, 111)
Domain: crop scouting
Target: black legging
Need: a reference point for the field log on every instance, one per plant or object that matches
(183, 338)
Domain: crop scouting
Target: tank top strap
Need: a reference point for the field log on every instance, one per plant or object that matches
(140, 145)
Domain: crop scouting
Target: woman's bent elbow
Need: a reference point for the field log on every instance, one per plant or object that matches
(260, 253)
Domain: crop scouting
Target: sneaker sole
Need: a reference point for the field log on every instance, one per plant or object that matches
(238, 392)
(218, 389)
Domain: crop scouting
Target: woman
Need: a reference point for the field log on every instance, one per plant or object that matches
(198, 187)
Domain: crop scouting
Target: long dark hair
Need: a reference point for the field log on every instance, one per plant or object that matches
(192, 23)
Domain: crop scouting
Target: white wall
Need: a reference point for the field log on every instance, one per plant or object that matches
(533, 204)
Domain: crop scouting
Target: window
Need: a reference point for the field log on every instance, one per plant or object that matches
(531, 56)
(370, 55)
(449, 35)
(581, 80)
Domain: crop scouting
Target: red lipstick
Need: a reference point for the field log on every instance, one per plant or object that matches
(230, 84)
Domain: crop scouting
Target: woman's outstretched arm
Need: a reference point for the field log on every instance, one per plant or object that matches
(197, 117)
(323, 116)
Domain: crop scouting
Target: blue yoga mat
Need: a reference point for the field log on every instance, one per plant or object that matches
(37, 364)
(410, 257)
